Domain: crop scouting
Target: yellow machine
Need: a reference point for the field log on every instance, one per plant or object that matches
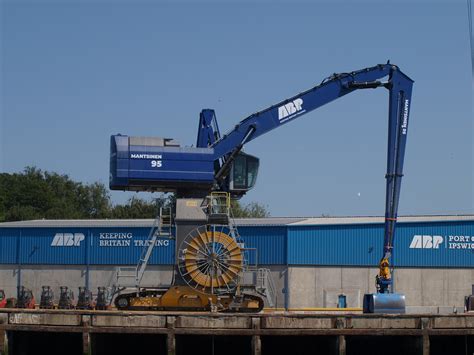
(185, 298)
(384, 269)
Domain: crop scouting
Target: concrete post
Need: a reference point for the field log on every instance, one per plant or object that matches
(171, 343)
(86, 343)
(426, 344)
(170, 336)
(426, 324)
(3, 342)
(287, 288)
(341, 342)
(256, 345)
(256, 341)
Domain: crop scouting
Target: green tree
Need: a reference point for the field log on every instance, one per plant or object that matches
(34, 194)
(250, 210)
(139, 208)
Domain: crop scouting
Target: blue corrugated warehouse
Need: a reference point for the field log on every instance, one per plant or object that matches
(429, 241)
(305, 253)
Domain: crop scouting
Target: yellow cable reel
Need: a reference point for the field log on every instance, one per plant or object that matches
(210, 260)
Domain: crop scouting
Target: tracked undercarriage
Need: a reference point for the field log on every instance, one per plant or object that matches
(184, 298)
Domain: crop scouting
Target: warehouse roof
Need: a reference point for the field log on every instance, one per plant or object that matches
(269, 221)
(62, 223)
(378, 219)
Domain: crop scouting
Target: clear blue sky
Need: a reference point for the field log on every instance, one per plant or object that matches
(75, 73)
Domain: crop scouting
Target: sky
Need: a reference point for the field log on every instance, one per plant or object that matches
(75, 72)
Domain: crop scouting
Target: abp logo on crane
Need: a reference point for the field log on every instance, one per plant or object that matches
(290, 109)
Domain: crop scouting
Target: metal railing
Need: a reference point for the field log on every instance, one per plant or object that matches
(131, 276)
(266, 286)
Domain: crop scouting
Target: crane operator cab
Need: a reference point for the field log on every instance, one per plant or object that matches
(243, 174)
(161, 164)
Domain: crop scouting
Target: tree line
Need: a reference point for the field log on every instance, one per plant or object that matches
(37, 194)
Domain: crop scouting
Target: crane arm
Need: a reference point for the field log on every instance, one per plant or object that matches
(285, 111)
(337, 85)
(399, 111)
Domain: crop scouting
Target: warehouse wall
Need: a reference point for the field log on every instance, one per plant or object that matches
(435, 287)
(33, 277)
(73, 276)
(434, 260)
(434, 244)
(8, 280)
(154, 275)
(425, 289)
(320, 286)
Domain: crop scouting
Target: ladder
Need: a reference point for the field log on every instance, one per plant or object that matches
(234, 233)
(132, 276)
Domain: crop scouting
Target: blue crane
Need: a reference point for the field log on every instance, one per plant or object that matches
(217, 163)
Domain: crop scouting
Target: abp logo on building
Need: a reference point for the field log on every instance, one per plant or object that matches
(426, 242)
(67, 239)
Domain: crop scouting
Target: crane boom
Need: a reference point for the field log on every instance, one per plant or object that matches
(330, 89)
(336, 86)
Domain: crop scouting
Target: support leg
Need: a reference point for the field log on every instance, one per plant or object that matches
(256, 345)
(86, 343)
(171, 343)
(341, 343)
(3, 342)
(426, 344)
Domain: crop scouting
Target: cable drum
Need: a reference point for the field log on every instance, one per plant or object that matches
(210, 260)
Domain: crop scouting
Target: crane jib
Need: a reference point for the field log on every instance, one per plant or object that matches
(336, 86)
